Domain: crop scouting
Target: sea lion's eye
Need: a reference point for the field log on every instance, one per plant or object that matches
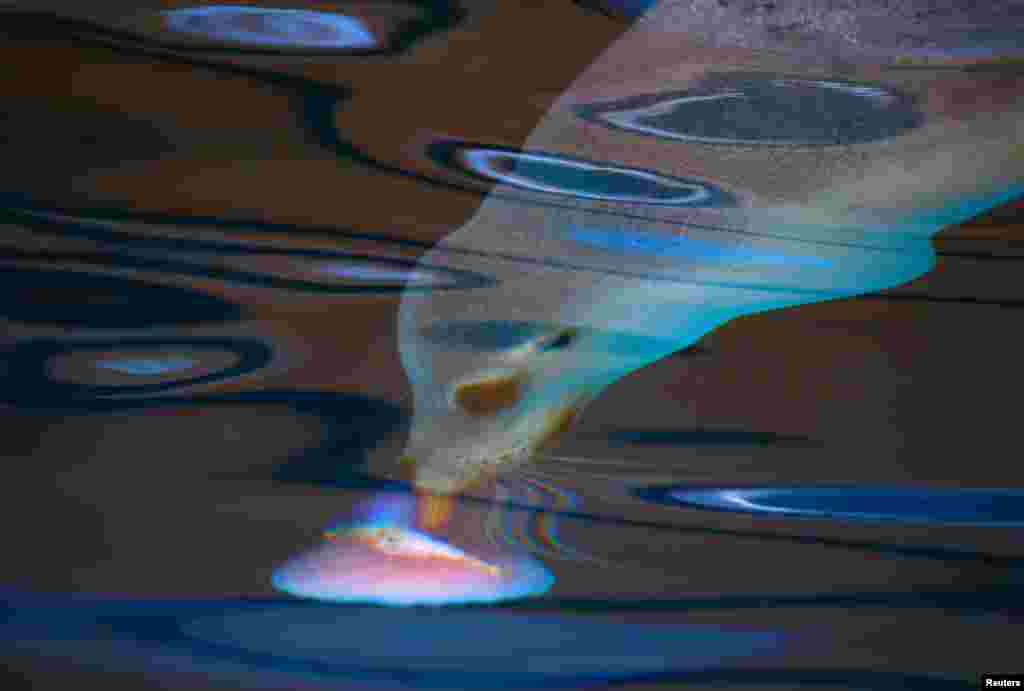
(562, 338)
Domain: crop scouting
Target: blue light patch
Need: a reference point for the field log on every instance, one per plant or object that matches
(682, 247)
(263, 26)
(1000, 508)
(146, 367)
(391, 564)
(368, 273)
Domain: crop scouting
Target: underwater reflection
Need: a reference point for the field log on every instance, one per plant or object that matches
(862, 152)
(564, 303)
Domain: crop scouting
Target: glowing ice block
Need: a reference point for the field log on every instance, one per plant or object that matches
(393, 565)
(952, 506)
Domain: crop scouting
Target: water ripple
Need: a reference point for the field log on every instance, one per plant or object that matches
(53, 373)
(95, 301)
(764, 109)
(1003, 508)
(565, 175)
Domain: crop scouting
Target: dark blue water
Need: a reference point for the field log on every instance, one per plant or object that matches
(968, 506)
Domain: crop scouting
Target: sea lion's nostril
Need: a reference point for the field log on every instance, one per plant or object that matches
(559, 419)
(489, 392)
